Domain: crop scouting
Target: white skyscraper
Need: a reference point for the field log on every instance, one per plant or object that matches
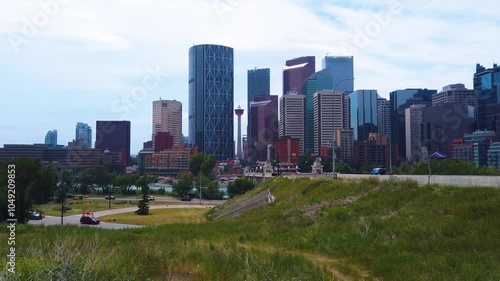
(167, 117)
(414, 119)
(292, 117)
(331, 113)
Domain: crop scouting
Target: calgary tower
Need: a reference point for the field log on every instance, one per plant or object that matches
(239, 111)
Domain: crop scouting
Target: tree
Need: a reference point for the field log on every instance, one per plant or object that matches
(201, 163)
(101, 177)
(211, 191)
(85, 180)
(184, 185)
(304, 162)
(125, 182)
(143, 206)
(239, 186)
(45, 184)
(209, 188)
(195, 163)
(208, 165)
(23, 174)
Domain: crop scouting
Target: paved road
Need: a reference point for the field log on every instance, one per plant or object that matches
(75, 219)
(165, 199)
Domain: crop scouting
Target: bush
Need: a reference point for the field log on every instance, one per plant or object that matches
(240, 186)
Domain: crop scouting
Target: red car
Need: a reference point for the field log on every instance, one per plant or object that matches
(88, 218)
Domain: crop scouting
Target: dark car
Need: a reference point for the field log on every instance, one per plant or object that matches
(186, 198)
(88, 218)
(379, 171)
(34, 215)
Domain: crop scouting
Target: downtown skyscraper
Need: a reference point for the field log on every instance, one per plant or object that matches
(363, 108)
(211, 98)
(258, 84)
(292, 118)
(167, 117)
(114, 136)
(400, 100)
(296, 71)
(342, 71)
(331, 114)
(487, 88)
(264, 129)
(51, 138)
(83, 133)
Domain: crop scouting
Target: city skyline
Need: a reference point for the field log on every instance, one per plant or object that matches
(93, 64)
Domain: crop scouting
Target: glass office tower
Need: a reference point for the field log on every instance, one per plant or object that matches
(364, 106)
(341, 68)
(211, 98)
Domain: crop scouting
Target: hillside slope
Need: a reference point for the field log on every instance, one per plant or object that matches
(315, 230)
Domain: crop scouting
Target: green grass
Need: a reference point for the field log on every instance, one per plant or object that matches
(316, 230)
(160, 216)
(89, 205)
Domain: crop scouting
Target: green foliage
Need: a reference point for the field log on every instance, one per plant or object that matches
(208, 165)
(98, 176)
(195, 163)
(183, 185)
(27, 180)
(46, 184)
(125, 182)
(211, 191)
(201, 163)
(143, 205)
(239, 186)
(304, 162)
(33, 182)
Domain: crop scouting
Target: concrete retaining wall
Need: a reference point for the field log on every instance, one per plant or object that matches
(486, 181)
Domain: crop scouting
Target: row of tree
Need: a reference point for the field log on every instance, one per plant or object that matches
(201, 176)
(35, 183)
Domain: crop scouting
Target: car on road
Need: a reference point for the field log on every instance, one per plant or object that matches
(111, 197)
(151, 198)
(34, 215)
(88, 218)
(186, 198)
(379, 171)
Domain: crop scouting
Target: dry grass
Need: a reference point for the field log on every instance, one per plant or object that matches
(160, 216)
(89, 205)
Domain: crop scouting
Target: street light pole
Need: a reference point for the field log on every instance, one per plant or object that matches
(333, 126)
(200, 185)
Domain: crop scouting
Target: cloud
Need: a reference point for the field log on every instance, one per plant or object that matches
(90, 53)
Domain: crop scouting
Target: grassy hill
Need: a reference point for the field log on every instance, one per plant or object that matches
(316, 230)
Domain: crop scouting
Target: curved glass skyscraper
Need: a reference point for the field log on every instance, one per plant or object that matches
(211, 96)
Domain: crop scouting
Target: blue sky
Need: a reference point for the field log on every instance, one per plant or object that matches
(69, 61)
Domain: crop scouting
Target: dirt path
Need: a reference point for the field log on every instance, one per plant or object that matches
(331, 264)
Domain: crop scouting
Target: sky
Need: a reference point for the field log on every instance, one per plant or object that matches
(69, 61)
